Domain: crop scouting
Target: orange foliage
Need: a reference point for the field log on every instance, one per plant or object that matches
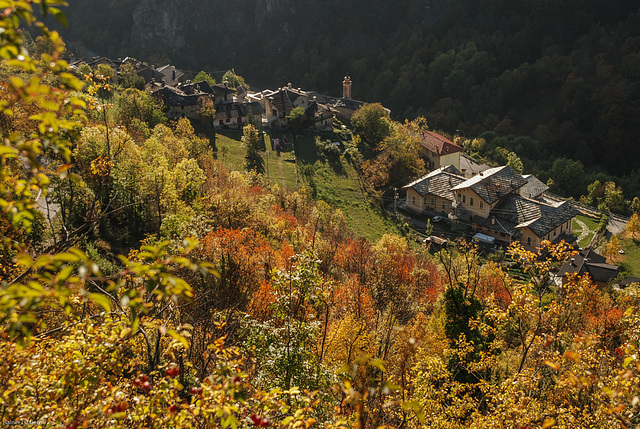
(354, 256)
(352, 297)
(260, 305)
(493, 281)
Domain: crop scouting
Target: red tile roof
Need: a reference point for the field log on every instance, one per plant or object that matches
(438, 144)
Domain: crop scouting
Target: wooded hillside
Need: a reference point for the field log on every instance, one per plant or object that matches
(566, 73)
(154, 288)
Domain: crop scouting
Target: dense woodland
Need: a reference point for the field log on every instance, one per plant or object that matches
(564, 76)
(158, 289)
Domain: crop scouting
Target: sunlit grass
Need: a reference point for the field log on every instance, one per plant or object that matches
(336, 182)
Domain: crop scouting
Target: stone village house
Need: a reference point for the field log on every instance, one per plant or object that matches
(498, 202)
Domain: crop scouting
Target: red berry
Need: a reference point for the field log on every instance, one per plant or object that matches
(173, 408)
(264, 423)
(173, 371)
(255, 419)
(146, 385)
(195, 390)
(144, 378)
(237, 380)
(137, 382)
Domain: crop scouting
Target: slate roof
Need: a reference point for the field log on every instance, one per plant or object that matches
(221, 89)
(149, 74)
(202, 86)
(239, 109)
(588, 261)
(349, 104)
(174, 97)
(541, 218)
(438, 144)
(439, 182)
(498, 224)
(170, 74)
(533, 188)
(284, 98)
(493, 184)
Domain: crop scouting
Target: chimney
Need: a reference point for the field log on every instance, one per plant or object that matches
(346, 87)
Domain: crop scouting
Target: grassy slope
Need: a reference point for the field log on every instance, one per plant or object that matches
(335, 183)
(630, 261)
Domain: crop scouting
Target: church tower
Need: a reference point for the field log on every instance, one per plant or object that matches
(346, 87)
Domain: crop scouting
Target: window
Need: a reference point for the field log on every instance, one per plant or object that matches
(433, 201)
(443, 205)
(425, 200)
(239, 119)
(481, 205)
(471, 201)
(528, 241)
(220, 121)
(464, 198)
(502, 234)
(413, 200)
(227, 120)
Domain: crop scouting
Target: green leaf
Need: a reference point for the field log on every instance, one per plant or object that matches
(178, 337)
(101, 300)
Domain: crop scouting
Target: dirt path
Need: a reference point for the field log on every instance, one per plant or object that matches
(585, 230)
(281, 179)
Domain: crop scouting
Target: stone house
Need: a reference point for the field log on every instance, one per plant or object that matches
(433, 192)
(498, 202)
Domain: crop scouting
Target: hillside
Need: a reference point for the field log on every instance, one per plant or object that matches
(156, 288)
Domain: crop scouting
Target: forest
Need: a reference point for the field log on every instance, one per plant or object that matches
(143, 284)
(564, 75)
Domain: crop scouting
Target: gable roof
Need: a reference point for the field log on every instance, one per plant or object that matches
(533, 188)
(149, 74)
(192, 87)
(173, 97)
(438, 144)
(539, 217)
(284, 98)
(493, 184)
(589, 262)
(439, 182)
(170, 73)
(239, 110)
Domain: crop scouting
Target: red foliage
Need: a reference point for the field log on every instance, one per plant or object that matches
(353, 297)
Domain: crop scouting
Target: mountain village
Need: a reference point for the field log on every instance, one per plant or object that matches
(493, 206)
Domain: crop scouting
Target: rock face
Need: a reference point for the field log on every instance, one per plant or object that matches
(190, 26)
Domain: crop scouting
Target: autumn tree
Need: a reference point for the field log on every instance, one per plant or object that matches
(204, 76)
(233, 79)
(372, 123)
(251, 142)
(128, 77)
(633, 225)
(296, 117)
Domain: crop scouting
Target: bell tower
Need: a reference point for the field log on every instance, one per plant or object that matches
(346, 87)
